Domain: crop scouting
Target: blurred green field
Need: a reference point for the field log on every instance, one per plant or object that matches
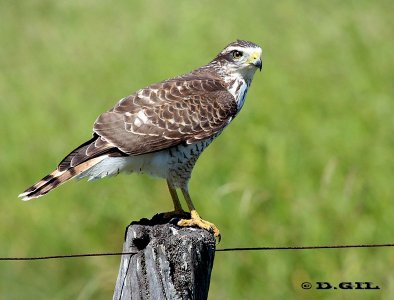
(309, 161)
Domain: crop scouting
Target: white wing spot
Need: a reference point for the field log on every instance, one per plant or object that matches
(142, 116)
(137, 122)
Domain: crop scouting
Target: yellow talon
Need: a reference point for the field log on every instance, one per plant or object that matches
(195, 220)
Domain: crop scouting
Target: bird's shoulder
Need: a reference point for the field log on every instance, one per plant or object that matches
(182, 109)
(177, 91)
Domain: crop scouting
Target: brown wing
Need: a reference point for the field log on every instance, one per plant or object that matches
(180, 110)
(166, 114)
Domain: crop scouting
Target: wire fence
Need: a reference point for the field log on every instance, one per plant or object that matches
(217, 250)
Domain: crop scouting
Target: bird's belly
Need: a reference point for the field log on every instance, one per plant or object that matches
(154, 164)
(175, 163)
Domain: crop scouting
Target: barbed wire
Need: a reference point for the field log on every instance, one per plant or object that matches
(306, 247)
(68, 256)
(217, 250)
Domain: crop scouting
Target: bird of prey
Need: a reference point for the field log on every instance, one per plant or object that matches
(163, 128)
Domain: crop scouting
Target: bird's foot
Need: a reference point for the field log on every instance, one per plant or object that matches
(195, 220)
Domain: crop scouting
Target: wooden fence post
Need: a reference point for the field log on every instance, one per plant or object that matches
(169, 262)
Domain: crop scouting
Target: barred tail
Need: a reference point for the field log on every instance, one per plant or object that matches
(57, 178)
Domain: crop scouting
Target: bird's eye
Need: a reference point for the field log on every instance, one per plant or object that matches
(237, 54)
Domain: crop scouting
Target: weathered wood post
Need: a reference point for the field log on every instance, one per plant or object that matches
(169, 262)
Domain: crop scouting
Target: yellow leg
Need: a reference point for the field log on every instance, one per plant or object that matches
(195, 219)
(178, 210)
(174, 196)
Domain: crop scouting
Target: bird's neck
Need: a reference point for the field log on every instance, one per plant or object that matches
(238, 87)
(237, 82)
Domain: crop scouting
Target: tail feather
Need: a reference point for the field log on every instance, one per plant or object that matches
(57, 178)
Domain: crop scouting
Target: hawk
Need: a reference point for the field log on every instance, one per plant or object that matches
(163, 128)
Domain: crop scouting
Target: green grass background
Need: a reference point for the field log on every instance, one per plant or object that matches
(309, 161)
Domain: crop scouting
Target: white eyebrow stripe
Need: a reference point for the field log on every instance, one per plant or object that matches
(245, 49)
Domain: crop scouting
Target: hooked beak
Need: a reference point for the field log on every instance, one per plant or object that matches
(258, 64)
(255, 60)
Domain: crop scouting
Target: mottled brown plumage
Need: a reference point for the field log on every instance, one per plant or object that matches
(163, 128)
(184, 110)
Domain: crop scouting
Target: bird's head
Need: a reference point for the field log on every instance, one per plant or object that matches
(240, 58)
